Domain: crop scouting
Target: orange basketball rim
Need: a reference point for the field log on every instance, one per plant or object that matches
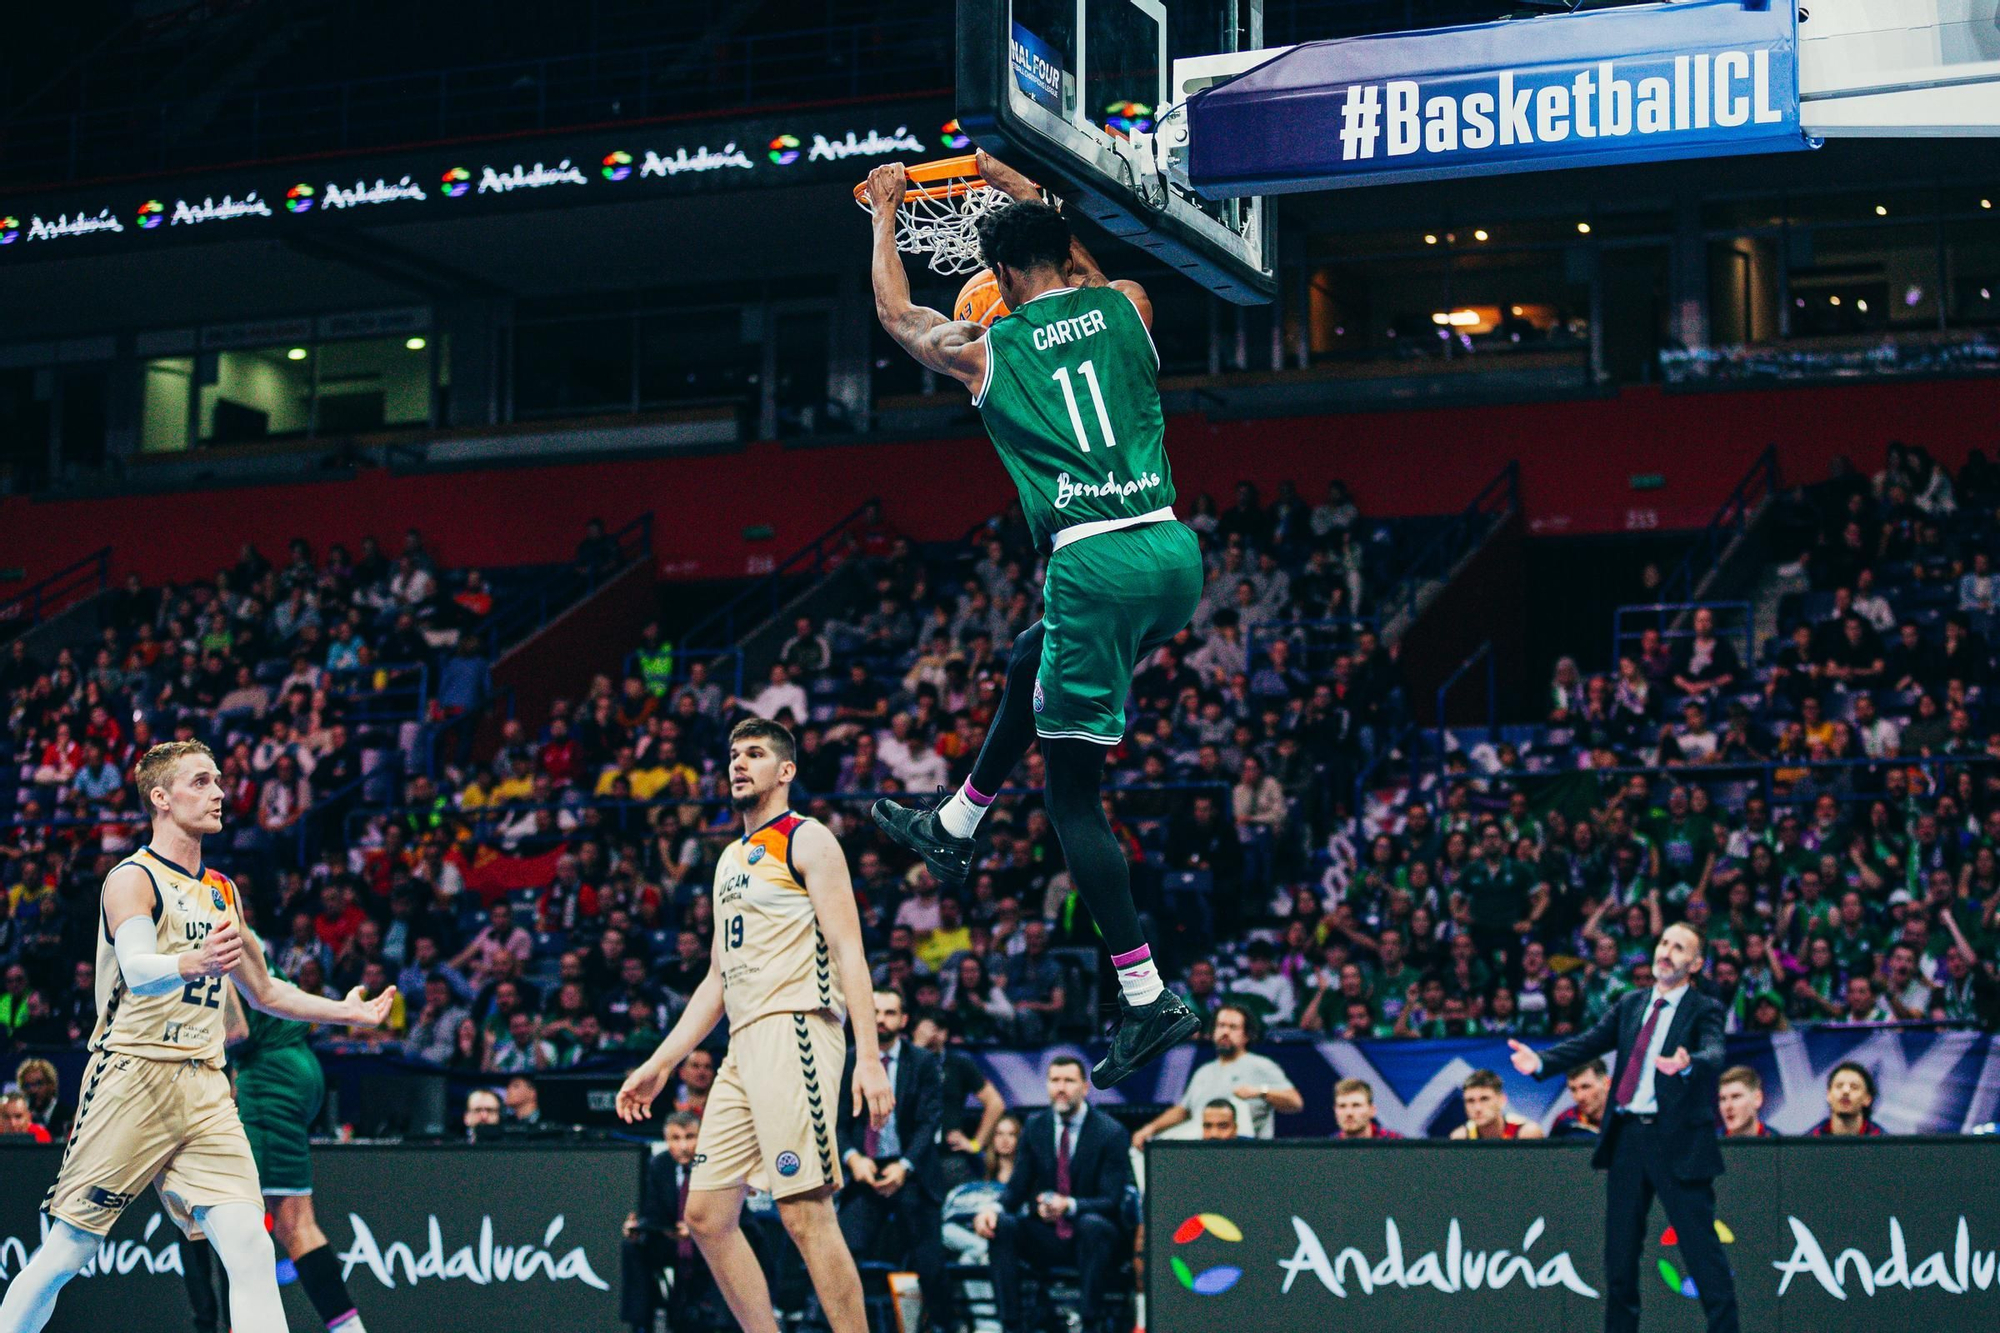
(940, 212)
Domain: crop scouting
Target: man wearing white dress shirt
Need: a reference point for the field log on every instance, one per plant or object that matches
(1659, 1131)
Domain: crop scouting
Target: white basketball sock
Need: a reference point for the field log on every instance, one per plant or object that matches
(1138, 979)
(960, 815)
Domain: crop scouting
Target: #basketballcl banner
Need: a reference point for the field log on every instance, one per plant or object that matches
(1703, 78)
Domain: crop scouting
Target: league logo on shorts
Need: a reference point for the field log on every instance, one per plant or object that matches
(1038, 696)
(788, 1163)
(756, 853)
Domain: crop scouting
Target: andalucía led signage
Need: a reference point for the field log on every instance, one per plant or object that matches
(606, 167)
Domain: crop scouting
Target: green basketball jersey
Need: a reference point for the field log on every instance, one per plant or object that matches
(1072, 401)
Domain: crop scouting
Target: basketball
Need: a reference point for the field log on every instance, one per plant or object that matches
(979, 299)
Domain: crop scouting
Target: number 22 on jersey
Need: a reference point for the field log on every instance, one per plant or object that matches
(1089, 373)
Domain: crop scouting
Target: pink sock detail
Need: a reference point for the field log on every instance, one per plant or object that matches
(338, 1320)
(1138, 955)
(974, 795)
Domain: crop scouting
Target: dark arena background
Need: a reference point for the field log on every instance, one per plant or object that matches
(459, 417)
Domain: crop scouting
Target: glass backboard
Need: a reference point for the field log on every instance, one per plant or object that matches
(1077, 92)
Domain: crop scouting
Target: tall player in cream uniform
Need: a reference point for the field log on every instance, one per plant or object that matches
(156, 1106)
(787, 967)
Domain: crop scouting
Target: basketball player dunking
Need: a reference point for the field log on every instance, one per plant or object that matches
(1067, 385)
(787, 966)
(156, 1106)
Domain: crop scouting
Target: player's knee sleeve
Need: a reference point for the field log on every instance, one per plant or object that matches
(67, 1248)
(236, 1231)
(31, 1296)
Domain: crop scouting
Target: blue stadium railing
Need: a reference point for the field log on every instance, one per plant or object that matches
(49, 597)
(728, 623)
(1732, 519)
(1456, 539)
(561, 588)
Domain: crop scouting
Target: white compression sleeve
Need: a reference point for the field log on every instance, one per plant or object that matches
(31, 1297)
(147, 971)
(236, 1231)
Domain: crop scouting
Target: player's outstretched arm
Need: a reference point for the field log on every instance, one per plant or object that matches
(951, 347)
(816, 853)
(704, 1010)
(281, 998)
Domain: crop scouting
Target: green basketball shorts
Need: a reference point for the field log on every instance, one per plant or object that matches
(277, 1097)
(1108, 599)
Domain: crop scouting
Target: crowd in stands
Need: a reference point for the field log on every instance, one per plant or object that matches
(1827, 812)
(547, 907)
(548, 904)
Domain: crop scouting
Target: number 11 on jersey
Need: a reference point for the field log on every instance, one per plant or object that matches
(1089, 373)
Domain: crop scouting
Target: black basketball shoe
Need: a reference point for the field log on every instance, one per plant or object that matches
(1143, 1033)
(949, 858)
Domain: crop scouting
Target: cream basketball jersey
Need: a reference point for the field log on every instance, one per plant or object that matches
(773, 956)
(186, 1022)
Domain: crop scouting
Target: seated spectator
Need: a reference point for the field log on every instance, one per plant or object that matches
(499, 935)
(1065, 1201)
(1589, 1089)
(1486, 1113)
(568, 903)
(522, 1048)
(434, 1034)
(656, 1238)
(1199, 991)
(17, 1119)
(1865, 1003)
(807, 649)
(977, 1002)
(36, 1080)
(1255, 1085)
(967, 1201)
(695, 1081)
(1035, 986)
(1354, 1111)
(1268, 989)
(1740, 1101)
(1854, 659)
(1850, 1103)
(685, 970)
(1218, 1121)
(482, 1112)
(524, 1103)
(1693, 741)
(1705, 665)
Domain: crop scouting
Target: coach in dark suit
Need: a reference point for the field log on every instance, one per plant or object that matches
(1062, 1204)
(894, 1200)
(656, 1240)
(1659, 1127)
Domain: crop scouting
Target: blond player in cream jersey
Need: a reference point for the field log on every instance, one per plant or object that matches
(155, 1107)
(786, 968)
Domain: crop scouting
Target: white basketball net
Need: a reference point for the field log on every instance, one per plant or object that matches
(946, 228)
